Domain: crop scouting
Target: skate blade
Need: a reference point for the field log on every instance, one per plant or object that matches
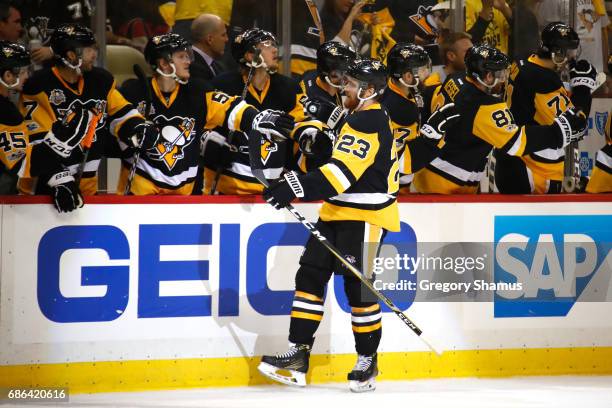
(296, 379)
(363, 386)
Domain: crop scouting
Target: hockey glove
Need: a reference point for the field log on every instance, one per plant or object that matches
(145, 136)
(283, 192)
(440, 121)
(66, 194)
(67, 133)
(316, 143)
(215, 150)
(325, 112)
(572, 126)
(275, 125)
(582, 73)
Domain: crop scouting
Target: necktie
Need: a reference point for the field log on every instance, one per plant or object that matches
(216, 68)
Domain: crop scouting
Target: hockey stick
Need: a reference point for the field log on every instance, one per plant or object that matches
(314, 12)
(255, 160)
(571, 168)
(571, 165)
(148, 100)
(86, 145)
(230, 137)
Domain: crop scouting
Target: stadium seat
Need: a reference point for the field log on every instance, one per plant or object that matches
(120, 60)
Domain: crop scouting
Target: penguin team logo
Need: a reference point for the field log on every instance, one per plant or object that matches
(96, 106)
(267, 148)
(176, 134)
(422, 23)
(57, 97)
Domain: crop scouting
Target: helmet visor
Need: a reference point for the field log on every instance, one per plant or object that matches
(422, 72)
(185, 55)
(268, 44)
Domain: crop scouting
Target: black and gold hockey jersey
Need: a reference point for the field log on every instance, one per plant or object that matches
(181, 116)
(17, 155)
(486, 122)
(279, 93)
(404, 114)
(536, 96)
(447, 91)
(360, 182)
(312, 87)
(47, 97)
(13, 136)
(601, 179)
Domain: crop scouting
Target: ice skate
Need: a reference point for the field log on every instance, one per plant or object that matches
(363, 376)
(289, 368)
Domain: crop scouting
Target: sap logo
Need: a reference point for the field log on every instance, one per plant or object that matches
(105, 292)
(553, 257)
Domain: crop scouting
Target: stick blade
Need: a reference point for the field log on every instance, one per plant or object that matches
(431, 344)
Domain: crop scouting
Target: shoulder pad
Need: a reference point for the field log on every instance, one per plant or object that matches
(37, 82)
(10, 114)
(401, 111)
(368, 121)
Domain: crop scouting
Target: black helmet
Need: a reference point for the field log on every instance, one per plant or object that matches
(559, 37)
(13, 55)
(163, 46)
(333, 56)
(369, 73)
(481, 59)
(248, 41)
(71, 37)
(405, 57)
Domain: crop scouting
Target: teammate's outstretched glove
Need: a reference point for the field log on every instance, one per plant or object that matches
(439, 121)
(275, 125)
(145, 136)
(283, 192)
(66, 194)
(325, 111)
(572, 126)
(67, 133)
(317, 143)
(582, 73)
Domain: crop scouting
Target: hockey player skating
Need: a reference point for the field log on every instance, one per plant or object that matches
(182, 110)
(17, 155)
(408, 64)
(486, 122)
(360, 188)
(256, 51)
(537, 96)
(72, 84)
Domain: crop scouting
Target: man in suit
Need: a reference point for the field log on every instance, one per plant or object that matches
(209, 38)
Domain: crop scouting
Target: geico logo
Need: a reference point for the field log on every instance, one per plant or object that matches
(552, 266)
(114, 279)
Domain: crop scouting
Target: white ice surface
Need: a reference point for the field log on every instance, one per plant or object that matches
(519, 392)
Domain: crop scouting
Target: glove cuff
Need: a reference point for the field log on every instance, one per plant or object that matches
(294, 183)
(429, 132)
(565, 129)
(59, 147)
(584, 81)
(62, 177)
(336, 117)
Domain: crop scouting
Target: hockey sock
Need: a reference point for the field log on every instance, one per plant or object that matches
(306, 314)
(367, 328)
